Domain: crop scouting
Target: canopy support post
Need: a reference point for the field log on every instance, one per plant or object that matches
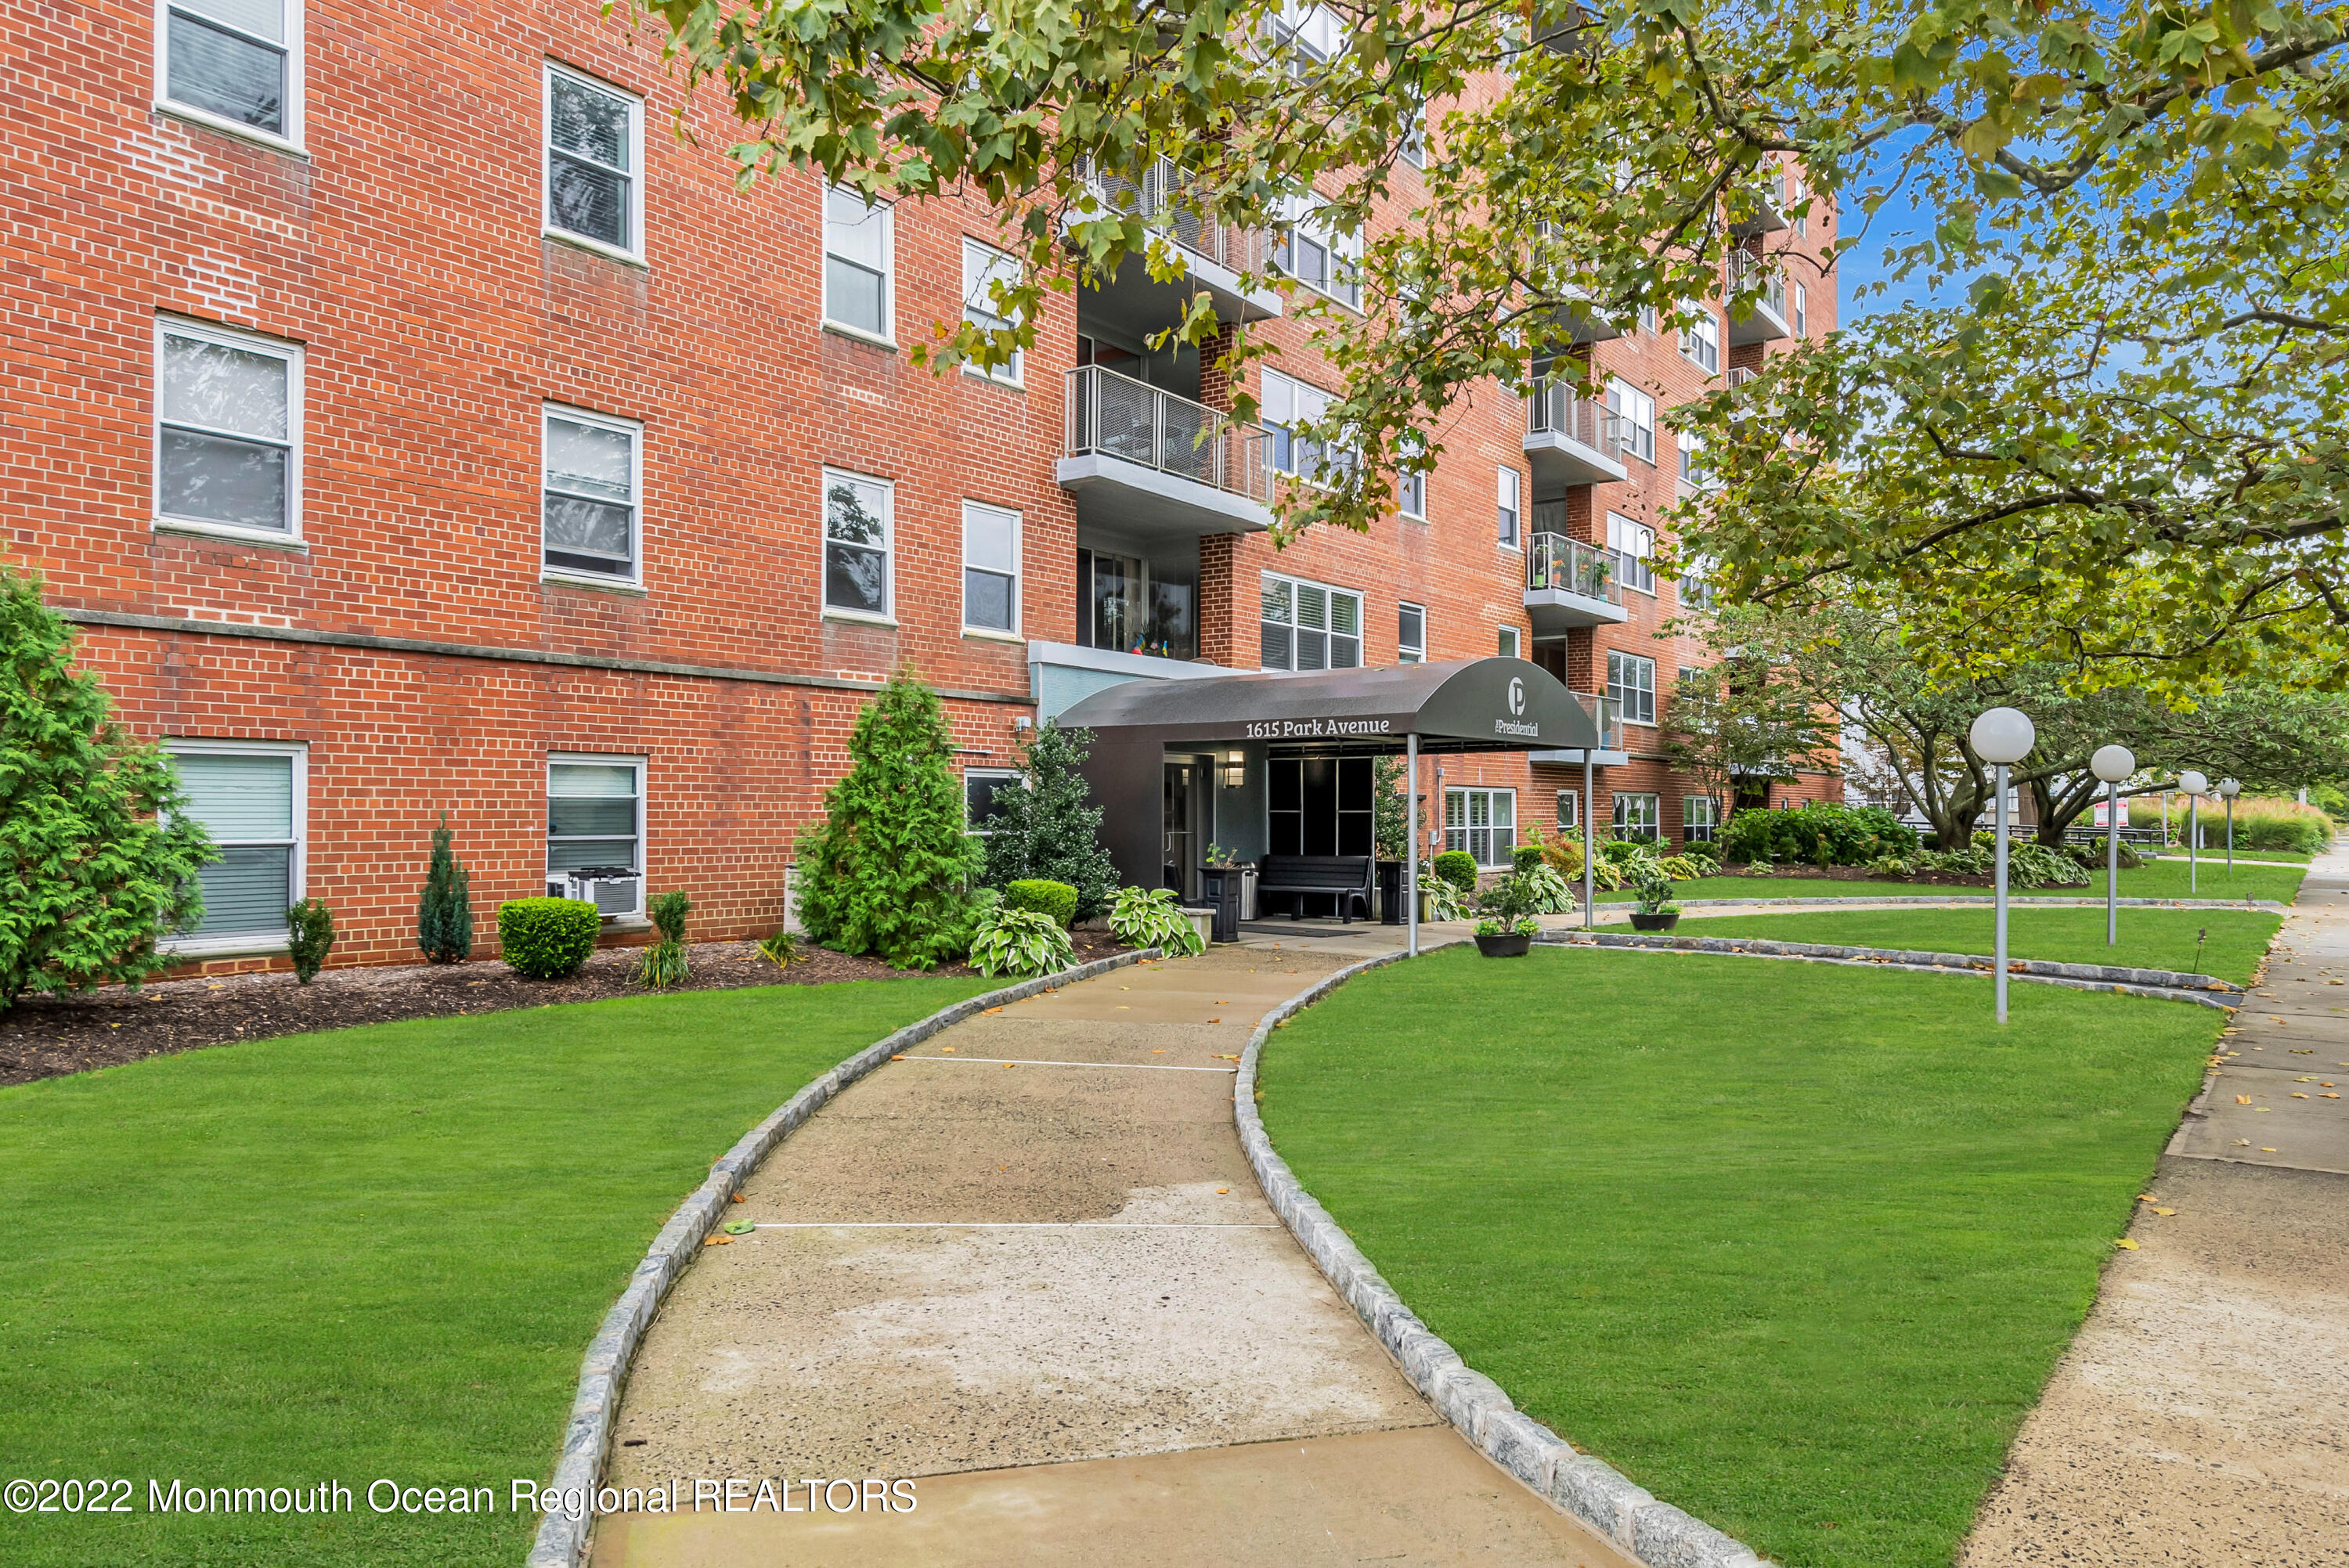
(1410, 854)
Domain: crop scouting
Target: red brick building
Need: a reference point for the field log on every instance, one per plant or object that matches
(412, 423)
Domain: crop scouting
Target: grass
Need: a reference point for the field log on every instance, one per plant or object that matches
(2150, 938)
(2161, 878)
(1795, 1247)
(375, 1252)
(2242, 852)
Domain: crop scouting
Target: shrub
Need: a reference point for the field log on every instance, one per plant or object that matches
(1621, 853)
(1049, 829)
(1551, 893)
(1655, 885)
(1021, 943)
(887, 870)
(1526, 857)
(2091, 856)
(664, 963)
(444, 911)
(781, 950)
(1818, 833)
(1701, 851)
(1685, 867)
(547, 938)
(100, 858)
(1149, 917)
(1056, 899)
(1457, 867)
(1445, 900)
(309, 936)
(2036, 865)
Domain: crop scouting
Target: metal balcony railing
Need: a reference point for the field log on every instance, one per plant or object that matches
(1157, 199)
(1557, 408)
(1571, 566)
(1608, 715)
(1117, 417)
(1744, 265)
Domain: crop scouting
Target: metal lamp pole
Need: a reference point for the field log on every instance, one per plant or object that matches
(2227, 789)
(1589, 848)
(2195, 786)
(2001, 736)
(1410, 853)
(2112, 763)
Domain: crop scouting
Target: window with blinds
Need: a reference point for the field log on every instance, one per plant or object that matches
(595, 820)
(1481, 821)
(1309, 626)
(247, 802)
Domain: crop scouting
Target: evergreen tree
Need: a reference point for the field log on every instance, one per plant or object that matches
(888, 871)
(1051, 829)
(444, 913)
(98, 859)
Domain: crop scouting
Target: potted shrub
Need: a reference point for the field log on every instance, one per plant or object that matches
(1508, 928)
(1657, 912)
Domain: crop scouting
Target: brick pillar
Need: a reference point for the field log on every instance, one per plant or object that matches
(1228, 606)
(1217, 382)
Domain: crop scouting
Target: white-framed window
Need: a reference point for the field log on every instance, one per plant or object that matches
(1802, 312)
(1570, 810)
(595, 830)
(1696, 584)
(1413, 148)
(1631, 682)
(1634, 545)
(859, 246)
(1481, 821)
(592, 477)
(990, 568)
(1694, 473)
(1410, 633)
(236, 63)
(1700, 340)
(1309, 626)
(594, 162)
(983, 267)
(1312, 34)
(1286, 404)
(1510, 512)
(1648, 319)
(980, 785)
(252, 798)
(228, 431)
(1309, 249)
(858, 535)
(1700, 818)
(1637, 412)
(1638, 817)
(1508, 643)
(1411, 488)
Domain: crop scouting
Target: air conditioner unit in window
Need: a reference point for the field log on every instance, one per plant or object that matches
(611, 889)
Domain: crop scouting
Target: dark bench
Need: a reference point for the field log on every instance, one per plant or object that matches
(1345, 878)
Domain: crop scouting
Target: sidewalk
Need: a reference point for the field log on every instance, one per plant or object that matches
(2197, 1420)
(1029, 1266)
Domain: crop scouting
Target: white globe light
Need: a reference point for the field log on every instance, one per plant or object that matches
(2112, 763)
(2230, 789)
(2002, 735)
(2193, 783)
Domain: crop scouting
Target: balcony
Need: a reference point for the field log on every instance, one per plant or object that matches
(1762, 320)
(1608, 714)
(1571, 439)
(1570, 585)
(1769, 216)
(1218, 255)
(1149, 465)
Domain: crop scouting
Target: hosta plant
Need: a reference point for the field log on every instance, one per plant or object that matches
(1021, 943)
(1149, 917)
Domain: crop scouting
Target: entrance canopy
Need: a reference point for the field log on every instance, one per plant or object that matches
(1471, 705)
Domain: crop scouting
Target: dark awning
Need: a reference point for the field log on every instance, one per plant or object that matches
(1472, 705)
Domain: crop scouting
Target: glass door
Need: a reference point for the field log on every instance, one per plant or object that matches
(1182, 857)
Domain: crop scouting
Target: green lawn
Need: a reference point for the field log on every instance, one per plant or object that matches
(1793, 1246)
(2150, 938)
(375, 1252)
(2161, 879)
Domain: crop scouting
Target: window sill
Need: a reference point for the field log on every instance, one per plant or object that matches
(859, 618)
(602, 584)
(191, 115)
(596, 248)
(1417, 517)
(255, 944)
(989, 634)
(858, 334)
(1007, 383)
(625, 924)
(238, 535)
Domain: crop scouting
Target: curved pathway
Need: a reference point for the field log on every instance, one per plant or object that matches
(1029, 1266)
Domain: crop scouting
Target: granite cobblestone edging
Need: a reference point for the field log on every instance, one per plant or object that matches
(561, 1541)
(1657, 1533)
(2169, 985)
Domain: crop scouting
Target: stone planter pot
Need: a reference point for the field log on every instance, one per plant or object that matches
(1653, 921)
(1507, 944)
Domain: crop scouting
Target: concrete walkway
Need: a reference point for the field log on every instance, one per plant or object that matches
(1029, 1266)
(2198, 1419)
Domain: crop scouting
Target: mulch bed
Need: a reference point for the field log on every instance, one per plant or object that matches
(54, 1035)
(1861, 873)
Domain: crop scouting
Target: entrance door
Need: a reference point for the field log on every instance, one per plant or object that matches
(1181, 857)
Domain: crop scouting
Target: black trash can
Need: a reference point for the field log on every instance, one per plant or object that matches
(1220, 887)
(1391, 906)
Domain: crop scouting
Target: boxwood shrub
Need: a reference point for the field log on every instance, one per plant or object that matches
(547, 938)
(1818, 834)
(1056, 899)
(1457, 867)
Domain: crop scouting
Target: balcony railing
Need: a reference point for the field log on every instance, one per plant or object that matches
(1555, 409)
(1114, 415)
(1157, 200)
(1743, 266)
(1608, 714)
(1571, 566)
